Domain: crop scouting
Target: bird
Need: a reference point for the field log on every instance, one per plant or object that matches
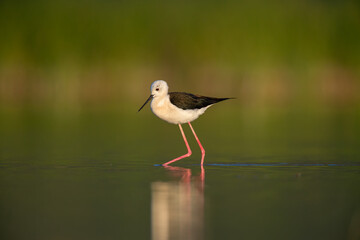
(179, 108)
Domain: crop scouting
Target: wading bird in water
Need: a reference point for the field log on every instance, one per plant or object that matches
(179, 108)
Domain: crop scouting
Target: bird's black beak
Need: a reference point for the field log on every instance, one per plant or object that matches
(151, 96)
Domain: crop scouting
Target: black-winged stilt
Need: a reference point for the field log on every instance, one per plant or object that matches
(179, 108)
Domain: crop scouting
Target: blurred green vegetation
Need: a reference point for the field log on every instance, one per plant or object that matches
(76, 55)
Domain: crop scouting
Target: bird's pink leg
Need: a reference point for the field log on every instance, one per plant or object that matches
(201, 147)
(188, 148)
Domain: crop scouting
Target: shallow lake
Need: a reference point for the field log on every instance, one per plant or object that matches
(97, 176)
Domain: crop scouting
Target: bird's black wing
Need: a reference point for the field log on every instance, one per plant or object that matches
(190, 101)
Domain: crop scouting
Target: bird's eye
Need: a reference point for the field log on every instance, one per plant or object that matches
(157, 89)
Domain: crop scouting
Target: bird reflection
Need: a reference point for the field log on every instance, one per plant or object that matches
(178, 206)
(354, 228)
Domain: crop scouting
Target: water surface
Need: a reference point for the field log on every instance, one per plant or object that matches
(97, 176)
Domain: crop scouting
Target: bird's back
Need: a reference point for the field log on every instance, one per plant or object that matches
(187, 101)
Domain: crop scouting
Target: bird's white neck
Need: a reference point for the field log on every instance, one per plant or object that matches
(160, 101)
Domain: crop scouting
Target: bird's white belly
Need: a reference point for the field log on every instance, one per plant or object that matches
(172, 114)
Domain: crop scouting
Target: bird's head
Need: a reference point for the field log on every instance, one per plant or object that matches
(158, 88)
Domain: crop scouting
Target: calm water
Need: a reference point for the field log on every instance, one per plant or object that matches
(95, 176)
